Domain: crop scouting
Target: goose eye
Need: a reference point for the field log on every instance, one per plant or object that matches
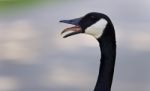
(93, 17)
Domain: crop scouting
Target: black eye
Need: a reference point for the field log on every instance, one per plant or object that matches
(93, 17)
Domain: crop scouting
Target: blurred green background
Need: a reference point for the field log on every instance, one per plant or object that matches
(35, 57)
(8, 4)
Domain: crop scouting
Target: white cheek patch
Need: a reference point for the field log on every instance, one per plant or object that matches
(97, 29)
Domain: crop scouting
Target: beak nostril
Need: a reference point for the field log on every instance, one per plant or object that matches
(71, 20)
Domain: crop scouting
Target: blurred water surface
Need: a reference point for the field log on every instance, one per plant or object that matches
(35, 57)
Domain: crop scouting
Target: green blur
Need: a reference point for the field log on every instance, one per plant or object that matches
(8, 5)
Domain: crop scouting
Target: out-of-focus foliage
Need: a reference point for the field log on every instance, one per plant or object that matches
(6, 5)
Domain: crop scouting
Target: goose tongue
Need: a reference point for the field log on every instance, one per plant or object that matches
(74, 30)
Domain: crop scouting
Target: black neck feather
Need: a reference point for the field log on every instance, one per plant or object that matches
(108, 56)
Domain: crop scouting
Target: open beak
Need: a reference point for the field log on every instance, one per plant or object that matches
(75, 29)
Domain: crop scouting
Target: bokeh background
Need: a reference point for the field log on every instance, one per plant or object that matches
(35, 57)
